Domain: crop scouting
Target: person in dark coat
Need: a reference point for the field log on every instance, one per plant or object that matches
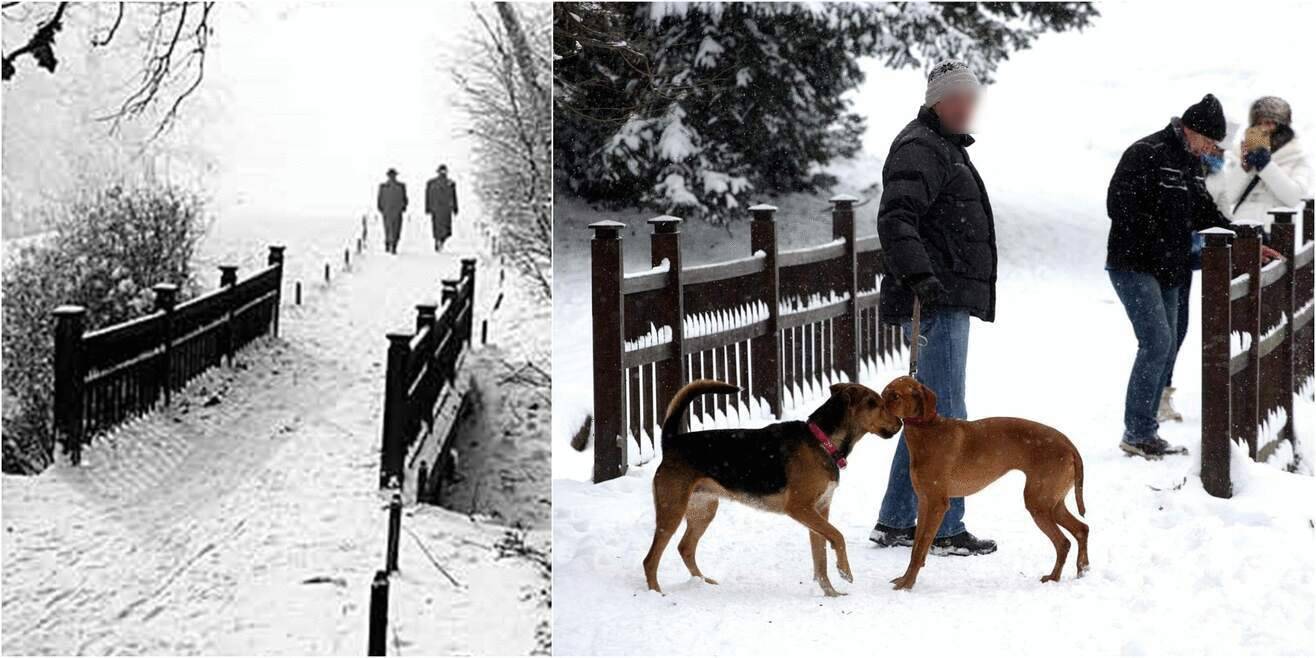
(1157, 198)
(441, 205)
(939, 243)
(392, 202)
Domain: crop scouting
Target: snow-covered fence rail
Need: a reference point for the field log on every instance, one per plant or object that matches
(106, 376)
(1257, 341)
(421, 381)
(779, 324)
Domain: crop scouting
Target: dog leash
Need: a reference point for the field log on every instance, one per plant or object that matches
(914, 339)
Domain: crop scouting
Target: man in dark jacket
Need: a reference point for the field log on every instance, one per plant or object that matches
(392, 202)
(441, 205)
(939, 243)
(1156, 200)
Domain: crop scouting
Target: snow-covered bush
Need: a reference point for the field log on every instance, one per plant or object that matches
(692, 107)
(105, 253)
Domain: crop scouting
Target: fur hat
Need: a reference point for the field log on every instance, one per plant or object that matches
(1271, 108)
(1206, 117)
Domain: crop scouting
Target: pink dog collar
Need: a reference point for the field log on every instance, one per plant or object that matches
(827, 444)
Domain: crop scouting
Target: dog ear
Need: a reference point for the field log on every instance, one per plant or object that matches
(843, 389)
(929, 402)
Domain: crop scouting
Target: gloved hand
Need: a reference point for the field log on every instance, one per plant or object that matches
(1257, 160)
(929, 290)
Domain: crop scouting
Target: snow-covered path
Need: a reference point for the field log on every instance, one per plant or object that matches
(245, 519)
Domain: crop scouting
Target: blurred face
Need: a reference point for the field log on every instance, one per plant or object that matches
(956, 111)
(1198, 143)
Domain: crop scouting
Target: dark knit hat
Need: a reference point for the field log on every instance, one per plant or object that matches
(1206, 117)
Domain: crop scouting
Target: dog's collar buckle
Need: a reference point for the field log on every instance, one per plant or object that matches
(827, 444)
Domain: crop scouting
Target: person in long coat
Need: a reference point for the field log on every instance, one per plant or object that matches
(392, 202)
(441, 205)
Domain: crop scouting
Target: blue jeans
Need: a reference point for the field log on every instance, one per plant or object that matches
(941, 368)
(1153, 309)
(1181, 329)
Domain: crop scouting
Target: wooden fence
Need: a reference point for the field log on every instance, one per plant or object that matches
(1257, 341)
(774, 323)
(421, 380)
(106, 376)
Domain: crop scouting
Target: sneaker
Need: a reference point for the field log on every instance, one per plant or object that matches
(886, 536)
(1151, 449)
(1167, 410)
(963, 544)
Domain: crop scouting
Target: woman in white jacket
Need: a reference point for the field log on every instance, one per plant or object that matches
(1272, 170)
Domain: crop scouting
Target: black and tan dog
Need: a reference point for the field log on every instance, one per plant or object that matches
(790, 468)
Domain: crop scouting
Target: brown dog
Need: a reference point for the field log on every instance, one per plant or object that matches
(951, 458)
(790, 468)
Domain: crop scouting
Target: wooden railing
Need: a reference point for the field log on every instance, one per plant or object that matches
(420, 380)
(1257, 341)
(776, 323)
(106, 376)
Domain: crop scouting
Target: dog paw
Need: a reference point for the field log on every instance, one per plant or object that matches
(903, 582)
(833, 593)
(1050, 579)
(845, 573)
(710, 581)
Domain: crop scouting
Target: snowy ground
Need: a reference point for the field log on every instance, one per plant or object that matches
(246, 518)
(1174, 570)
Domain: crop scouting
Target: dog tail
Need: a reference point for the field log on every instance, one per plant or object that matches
(683, 398)
(1078, 482)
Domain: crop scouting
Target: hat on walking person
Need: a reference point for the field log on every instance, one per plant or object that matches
(1270, 108)
(949, 77)
(391, 172)
(1206, 117)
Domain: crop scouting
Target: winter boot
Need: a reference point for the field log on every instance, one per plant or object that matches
(885, 536)
(1167, 410)
(1151, 449)
(963, 544)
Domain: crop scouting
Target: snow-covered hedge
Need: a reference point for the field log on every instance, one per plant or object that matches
(106, 251)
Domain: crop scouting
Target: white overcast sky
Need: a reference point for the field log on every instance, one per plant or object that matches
(316, 100)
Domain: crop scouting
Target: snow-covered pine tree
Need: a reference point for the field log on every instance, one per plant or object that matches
(689, 107)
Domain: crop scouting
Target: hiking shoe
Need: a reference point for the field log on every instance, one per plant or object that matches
(885, 536)
(1152, 449)
(963, 544)
(1167, 411)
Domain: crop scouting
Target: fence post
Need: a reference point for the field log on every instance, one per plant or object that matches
(228, 277)
(468, 275)
(1283, 239)
(70, 371)
(845, 352)
(394, 532)
(276, 258)
(365, 232)
(765, 350)
(1245, 387)
(609, 377)
(665, 245)
(426, 314)
(378, 635)
(1216, 425)
(449, 294)
(166, 297)
(393, 450)
(1308, 217)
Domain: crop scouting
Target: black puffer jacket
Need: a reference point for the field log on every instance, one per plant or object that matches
(935, 219)
(1156, 199)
